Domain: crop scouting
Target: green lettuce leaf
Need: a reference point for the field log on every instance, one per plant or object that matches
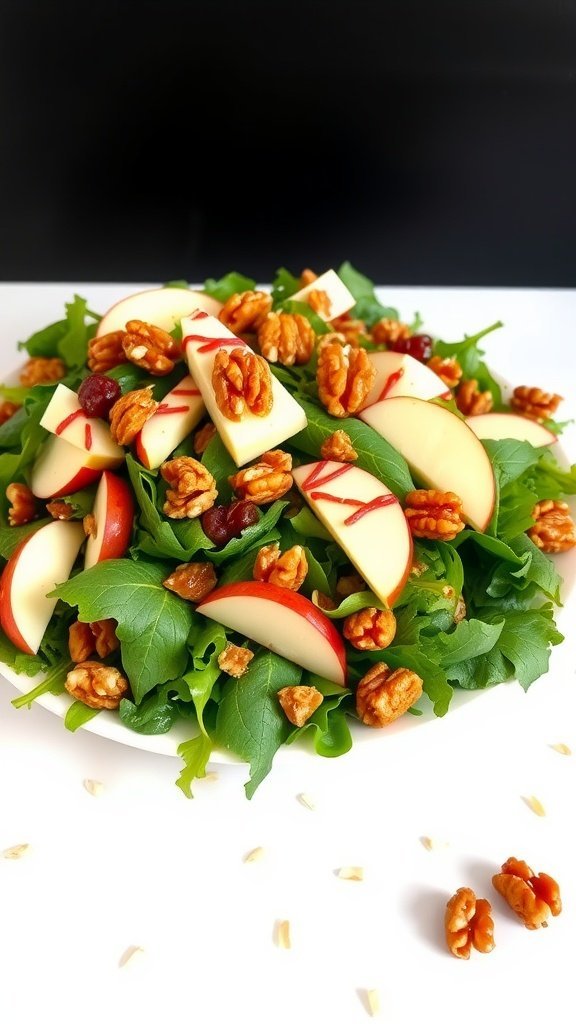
(195, 753)
(328, 726)
(228, 285)
(78, 714)
(525, 640)
(469, 355)
(283, 286)
(368, 307)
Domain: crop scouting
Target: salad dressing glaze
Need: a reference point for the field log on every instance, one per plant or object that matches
(68, 420)
(88, 437)
(389, 383)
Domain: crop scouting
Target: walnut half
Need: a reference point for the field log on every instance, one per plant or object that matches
(98, 686)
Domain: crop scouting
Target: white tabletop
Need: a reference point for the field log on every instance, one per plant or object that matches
(141, 866)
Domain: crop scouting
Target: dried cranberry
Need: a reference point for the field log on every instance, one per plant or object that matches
(222, 522)
(97, 394)
(418, 345)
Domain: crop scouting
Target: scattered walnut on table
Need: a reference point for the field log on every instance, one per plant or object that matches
(286, 570)
(532, 897)
(150, 347)
(468, 924)
(243, 312)
(192, 581)
(39, 370)
(98, 686)
(299, 703)
(266, 481)
(370, 629)
(242, 383)
(382, 696)
(471, 401)
(23, 507)
(106, 352)
(191, 488)
(344, 378)
(338, 447)
(129, 414)
(286, 338)
(554, 528)
(535, 403)
(235, 660)
(434, 515)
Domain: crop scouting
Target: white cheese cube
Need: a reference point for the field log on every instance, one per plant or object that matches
(340, 299)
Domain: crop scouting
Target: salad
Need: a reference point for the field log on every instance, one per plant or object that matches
(269, 516)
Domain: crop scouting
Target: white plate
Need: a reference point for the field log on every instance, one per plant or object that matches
(536, 321)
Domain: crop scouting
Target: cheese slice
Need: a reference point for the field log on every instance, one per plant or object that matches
(340, 299)
(65, 417)
(251, 436)
(177, 414)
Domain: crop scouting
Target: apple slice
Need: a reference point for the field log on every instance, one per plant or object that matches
(65, 417)
(60, 469)
(178, 413)
(113, 513)
(398, 373)
(163, 307)
(441, 450)
(339, 298)
(365, 519)
(38, 564)
(283, 621)
(495, 426)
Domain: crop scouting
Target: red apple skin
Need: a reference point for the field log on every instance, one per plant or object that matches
(140, 450)
(84, 477)
(119, 517)
(7, 620)
(290, 599)
(396, 593)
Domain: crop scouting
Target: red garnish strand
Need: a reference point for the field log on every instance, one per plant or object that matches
(390, 382)
(315, 477)
(445, 396)
(370, 506)
(69, 419)
(88, 437)
(164, 409)
(198, 315)
(185, 391)
(324, 496)
(211, 344)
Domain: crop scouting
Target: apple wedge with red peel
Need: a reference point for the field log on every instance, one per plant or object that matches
(163, 307)
(65, 417)
(60, 469)
(38, 564)
(113, 514)
(283, 621)
(398, 373)
(365, 519)
(176, 416)
(497, 426)
(441, 450)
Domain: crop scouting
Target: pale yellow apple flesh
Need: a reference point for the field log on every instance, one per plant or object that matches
(379, 544)
(163, 307)
(497, 426)
(340, 300)
(65, 418)
(178, 413)
(252, 435)
(60, 468)
(441, 450)
(398, 373)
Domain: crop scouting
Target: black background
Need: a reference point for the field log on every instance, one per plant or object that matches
(428, 142)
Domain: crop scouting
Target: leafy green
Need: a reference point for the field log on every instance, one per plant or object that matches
(218, 462)
(13, 464)
(250, 722)
(549, 480)
(162, 539)
(375, 455)
(283, 286)
(251, 537)
(354, 603)
(510, 459)
(228, 285)
(157, 712)
(67, 338)
(14, 393)
(470, 639)
(53, 682)
(207, 640)
(195, 754)
(368, 307)
(525, 640)
(328, 725)
(78, 714)
(417, 658)
(11, 430)
(306, 523)
(153, 623)
(468, 355)
(318, 325)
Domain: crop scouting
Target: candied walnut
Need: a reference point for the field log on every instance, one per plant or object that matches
(554, 529)
(307, 277)
(387, 331)
(319, 301)
(338, 447)
(323, 601)
(468, 923)
(435, 515)
(532, 897)
(266, 481)
(192, 581)
(89, 525)
(22, 504)
(370, 629)
(350, 331)
(243, 312)
(98, 686)
(192, 489)
(106, 352)
(80, 641)
(42, 371)
(60, 509)
(235, 660)
(344, 378)
(460, 610)
(104, 633)
(383, 696)
(534, 403)
(242, 382)
(284, 570)
(286, 338)
(7, 411)
(129, 414)
(471, 401)
(350, 584)
(203, 437)
(299, 702)
(150, 347)
(449, 370)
